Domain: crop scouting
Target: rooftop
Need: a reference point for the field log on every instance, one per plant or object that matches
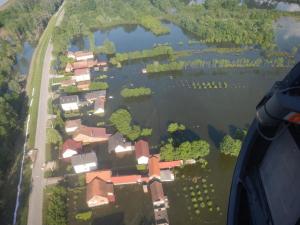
(99, 103)
(157, 192)
(115, 140)
(68, 99)
(73, 123)
(153, 166)
(126, 179)
(82, 71)
(94, 95)
(71, 144)
(98, 187)
(169, 165)
(92, 131)
(83, 158)
(142, 149)
(102, 174)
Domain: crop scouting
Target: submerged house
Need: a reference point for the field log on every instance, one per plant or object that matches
(117, 143)
(70, 148)
(153, 166)
(82, 75)
(99, 192)
(84, 162)
(94, 95)
(99, 105)
(90, 134)
(69, 103)
(72, 125)
(80, 55)
(142, 152)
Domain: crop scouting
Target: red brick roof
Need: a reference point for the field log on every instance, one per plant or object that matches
(83, 53)
(98, 187)
(82, 71)
(102, 174)
(157, 192)
(171, 164)
(126, 179)
(141, 149)
(153, 166)
(92, 131)
(71, 144)
(84, 64)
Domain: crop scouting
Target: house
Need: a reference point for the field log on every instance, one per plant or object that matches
(157, 194)
(71, 55)
(99, 192)
(67, 83)
(153, 166)
(90, 134)
(84, 162)
(102, 174)
(166, 175)
(69, 68)
(170, 164)
(84, 64)
(117, 143)
(129, 179)
(92, 96)
(83, 55)
(99, 105)
(84, 85)
(70, 148)
(69, 103)
(142, 152)
(82, 75)
(72, 125)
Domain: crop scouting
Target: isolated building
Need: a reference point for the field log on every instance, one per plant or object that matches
(90, 134)
(117, 143)
(84, 162)
(142, 152)
(69, 103)
(99, 105)
(82, 75)
(99, 192)
(153, 166)
(72, 125)
(70, 148)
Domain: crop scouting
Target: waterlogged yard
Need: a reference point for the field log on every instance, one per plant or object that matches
(213, 94)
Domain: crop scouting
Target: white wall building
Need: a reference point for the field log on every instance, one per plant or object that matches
(69, 103)
(84, 162)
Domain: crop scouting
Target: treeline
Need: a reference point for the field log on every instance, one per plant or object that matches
(148, 53)
(21, 21)
(277, 62)
(135, 92)
(219, 21)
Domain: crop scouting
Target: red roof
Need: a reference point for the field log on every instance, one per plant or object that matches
(83, 53)
(171, 164)
(126, 179)
(153, 166)
(141, 149)
(84, 64)
(98, 187)
(102, 174)
(71, 144)
(157, 191)
(92, 132)
(82, 71)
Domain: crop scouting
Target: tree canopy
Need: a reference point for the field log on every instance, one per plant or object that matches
(230, 146)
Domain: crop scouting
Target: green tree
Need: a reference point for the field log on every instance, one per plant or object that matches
(230, 146)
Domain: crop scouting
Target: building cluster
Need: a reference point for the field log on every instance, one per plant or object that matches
(100, 183)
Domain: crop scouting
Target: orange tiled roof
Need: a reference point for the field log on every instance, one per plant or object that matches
(102, 174)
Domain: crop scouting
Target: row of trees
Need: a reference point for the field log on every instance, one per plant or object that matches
(148, 53)
(56, 212)
(22, 21)
(135, 92)
(122, 120)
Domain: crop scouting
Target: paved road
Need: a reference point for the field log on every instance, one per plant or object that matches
(35, 212)
(38, 181)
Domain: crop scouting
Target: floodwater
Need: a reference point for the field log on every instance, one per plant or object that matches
(24, 59)
(271, 4)
(207, 113)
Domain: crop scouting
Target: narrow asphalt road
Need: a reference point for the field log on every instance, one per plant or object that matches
(38, 181)
(35, 211)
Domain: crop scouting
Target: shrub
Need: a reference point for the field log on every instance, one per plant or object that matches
(84, 216)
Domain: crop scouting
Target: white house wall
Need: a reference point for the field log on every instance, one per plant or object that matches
(70, 106)
(68, 153)
(85, 167)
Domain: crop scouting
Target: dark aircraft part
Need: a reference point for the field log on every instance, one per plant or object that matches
(266, 180)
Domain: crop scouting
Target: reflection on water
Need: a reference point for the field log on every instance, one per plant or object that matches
(24, 59)
(271, 4)
(287, 33)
